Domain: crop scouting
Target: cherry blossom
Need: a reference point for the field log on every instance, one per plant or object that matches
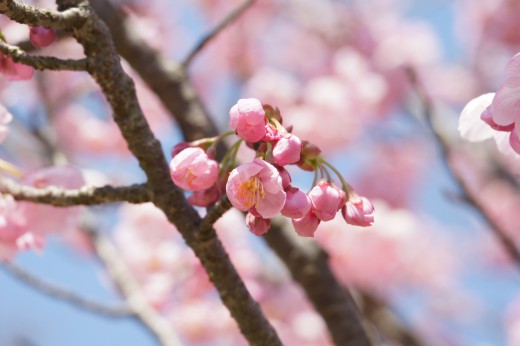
(193, 170)
(258, 185)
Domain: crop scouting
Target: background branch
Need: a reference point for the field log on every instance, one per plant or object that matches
(59, 293)
(130, 290)
(228, 20)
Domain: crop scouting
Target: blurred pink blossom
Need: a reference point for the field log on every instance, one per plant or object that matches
(5, 119)
(14, 71)
(23, 225)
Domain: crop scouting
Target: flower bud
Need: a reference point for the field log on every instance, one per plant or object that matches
(257, 225)
(326, 200)
(358, 211)
(287, 150)
(204, 198)
(248, 119)
(297, 203)
(41, 37)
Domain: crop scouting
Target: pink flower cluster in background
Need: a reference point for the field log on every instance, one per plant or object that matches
(24, 225)
(263, 186)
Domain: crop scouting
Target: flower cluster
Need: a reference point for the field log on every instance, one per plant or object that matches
(496, 114)
(263, 186)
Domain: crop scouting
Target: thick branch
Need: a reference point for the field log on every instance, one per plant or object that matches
(42, 62)
(228, 20)
(167, 79)
(120, 92)
(87, 195)
(60, 293)
(34, 16)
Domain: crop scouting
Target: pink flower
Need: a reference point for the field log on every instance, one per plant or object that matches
(358, 211)
(287, 150)
(193, 170)
(326, 200)
(248, 119)
(501, 111)
(257, 225)
(13, 70)
(297, 203)
(258, 185)
(41, 37)
(307, 225)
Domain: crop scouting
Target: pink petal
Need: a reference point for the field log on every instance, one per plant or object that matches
(471, 127)
(271, 205)
(506, 105)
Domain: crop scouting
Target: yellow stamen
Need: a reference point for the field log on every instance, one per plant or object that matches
(251, 191)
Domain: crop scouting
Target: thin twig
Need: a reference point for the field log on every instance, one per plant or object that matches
(87, 195)
(54, 291)
(34, 16)
(445, 150)
(228, 20)
(131, 291)
(42, 62)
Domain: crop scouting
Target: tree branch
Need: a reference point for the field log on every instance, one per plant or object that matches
(131, 291)
(42, 62)
(120, 92)
(87, 195)
(445, 151)
(228, 20)
(167, 79)
(60, 293)
(34, 16)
